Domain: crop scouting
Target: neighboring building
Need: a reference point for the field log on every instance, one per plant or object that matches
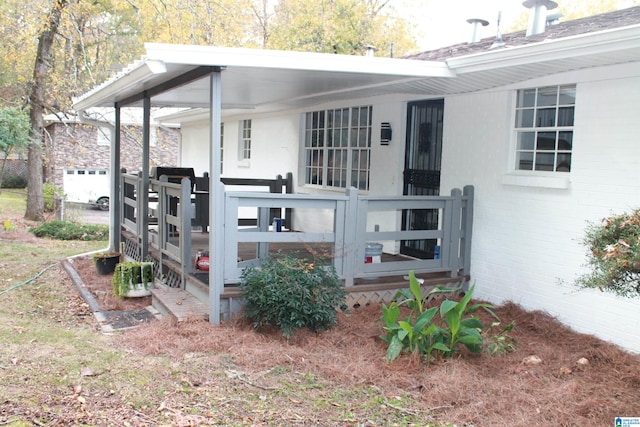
(81, 155)
(543, 126)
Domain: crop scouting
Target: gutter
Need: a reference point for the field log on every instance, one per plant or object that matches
(114, 178)
(607, 41)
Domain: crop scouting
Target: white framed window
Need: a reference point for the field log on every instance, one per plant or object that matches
(245, 140)
(337, 147)
(544, 128)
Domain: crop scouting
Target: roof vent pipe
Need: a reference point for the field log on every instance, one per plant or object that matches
(554, 19)
(498, 42)
(475, 35)
(371, 50)
(538, 15)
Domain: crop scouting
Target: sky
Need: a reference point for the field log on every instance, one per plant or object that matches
(443, 22)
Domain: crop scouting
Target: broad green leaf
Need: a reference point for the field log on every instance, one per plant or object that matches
(440, 346)
(414, 286)
(430, 330)
(466, 298)
(395, 347)
(472, 322)
(403, 334)
(428, 314)
(453, 321)
(446, 306)
(391, 313)
(469, 339)
(471, 332)
(405, 325)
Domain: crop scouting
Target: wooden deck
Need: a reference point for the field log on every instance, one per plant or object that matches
(193, 300)
(178, 303)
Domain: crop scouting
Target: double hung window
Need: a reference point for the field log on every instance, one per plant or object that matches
(544, 128)
(245, 139)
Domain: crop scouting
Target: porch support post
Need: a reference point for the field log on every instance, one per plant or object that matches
(467, 223)
(216, 199)
(451, 258)
(143, 198)
(351, 242)
(115, 213)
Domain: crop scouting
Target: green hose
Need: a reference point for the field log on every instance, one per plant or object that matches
(27, 281)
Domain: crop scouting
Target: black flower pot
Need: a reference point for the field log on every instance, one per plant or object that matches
(106, 264)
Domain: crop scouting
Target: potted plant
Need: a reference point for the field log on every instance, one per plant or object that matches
(132, 279)
(106, 262)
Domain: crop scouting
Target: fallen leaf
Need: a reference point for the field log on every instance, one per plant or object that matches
(564, 370)
(532, 360)
(87, 372)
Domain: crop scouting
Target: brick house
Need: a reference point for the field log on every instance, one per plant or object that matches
(81, 152)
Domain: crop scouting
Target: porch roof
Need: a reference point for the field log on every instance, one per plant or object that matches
(267, 81)
(254, 79)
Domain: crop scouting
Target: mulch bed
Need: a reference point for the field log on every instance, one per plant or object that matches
(555, 377)
(101, 289)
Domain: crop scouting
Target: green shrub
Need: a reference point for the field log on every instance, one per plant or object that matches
(50, 193)
(614, 255)
(291, 293)
(63, 230)
(419, 332)
(14, 181)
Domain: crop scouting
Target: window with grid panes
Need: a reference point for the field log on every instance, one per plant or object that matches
(544, 128)
(245, 140)
(337, 146)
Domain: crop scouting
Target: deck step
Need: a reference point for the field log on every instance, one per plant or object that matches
(178, 303)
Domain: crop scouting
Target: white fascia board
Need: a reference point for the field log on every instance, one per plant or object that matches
(136, 73)
(277, 59)
(569, 47)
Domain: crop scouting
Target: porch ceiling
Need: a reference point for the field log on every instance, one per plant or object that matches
(267, 81)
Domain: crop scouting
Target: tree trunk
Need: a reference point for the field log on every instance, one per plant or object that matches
(35, 198)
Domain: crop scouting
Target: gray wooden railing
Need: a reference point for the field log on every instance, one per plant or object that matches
(350, 233)
(348, 237)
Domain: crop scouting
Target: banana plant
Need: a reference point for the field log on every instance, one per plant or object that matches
(418, 331)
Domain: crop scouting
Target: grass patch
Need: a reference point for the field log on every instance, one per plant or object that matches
(13, 200)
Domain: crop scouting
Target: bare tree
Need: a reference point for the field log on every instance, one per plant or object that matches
(37, 98)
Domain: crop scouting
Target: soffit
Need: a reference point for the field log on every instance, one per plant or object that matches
(266, 81)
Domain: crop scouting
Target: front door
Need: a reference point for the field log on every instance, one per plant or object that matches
(422, 172)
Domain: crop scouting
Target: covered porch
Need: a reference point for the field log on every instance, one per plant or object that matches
(168, 238)
(230, 82)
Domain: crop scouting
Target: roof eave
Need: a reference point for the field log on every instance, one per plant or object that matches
(576, 46)
(105, 94)
(293, 60)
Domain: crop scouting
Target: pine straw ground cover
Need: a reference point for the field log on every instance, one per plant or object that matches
(468, 390)
(232, 375)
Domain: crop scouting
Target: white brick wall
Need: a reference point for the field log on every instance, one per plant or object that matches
(527, 240)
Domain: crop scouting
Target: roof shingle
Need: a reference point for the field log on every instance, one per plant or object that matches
(604, 21)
